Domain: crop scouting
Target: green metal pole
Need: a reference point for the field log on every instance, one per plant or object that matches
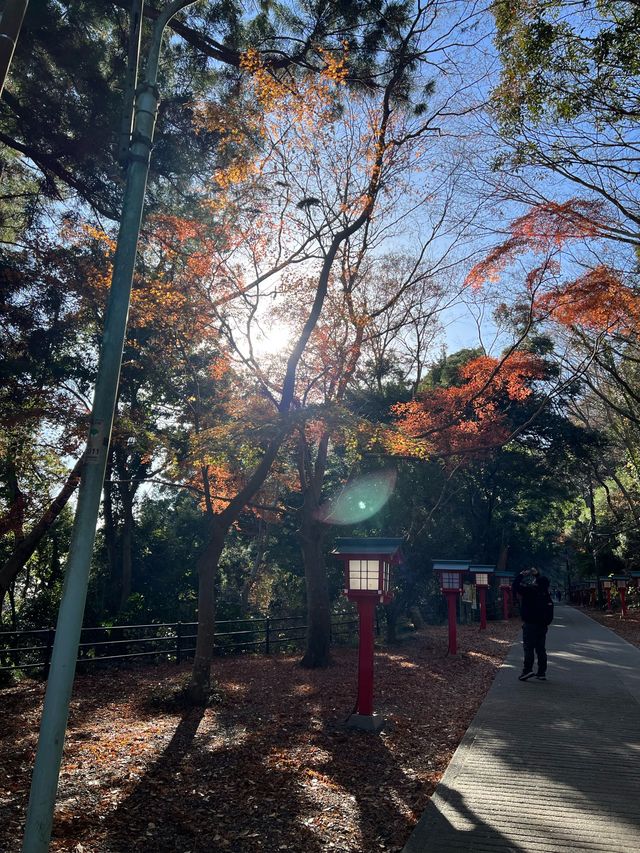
(10, 25)
(65, 651)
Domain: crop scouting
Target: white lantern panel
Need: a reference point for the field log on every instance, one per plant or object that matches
(482, 579)
(364, 574)
(386, 573)
(450, 580)
(606, 584)
(622, 584)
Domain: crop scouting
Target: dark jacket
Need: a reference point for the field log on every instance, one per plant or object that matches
(536, 605)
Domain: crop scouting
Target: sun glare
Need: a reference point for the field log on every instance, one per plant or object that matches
(272, 339)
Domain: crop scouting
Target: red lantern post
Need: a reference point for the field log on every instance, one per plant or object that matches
(368, 564)
(606, 585)
(505, 579)
(621, 583)
(450, 573)
(482, 574)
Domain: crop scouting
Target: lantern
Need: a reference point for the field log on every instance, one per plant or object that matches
(606, 585)
(368, 564)
(368, 577)
(451, 573)
(482, 574)
(505, 580)
(621, 583)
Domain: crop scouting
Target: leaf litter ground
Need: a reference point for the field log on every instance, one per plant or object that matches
(627, 627)
(269, 765)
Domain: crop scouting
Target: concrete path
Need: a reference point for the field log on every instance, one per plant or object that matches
(551, 766)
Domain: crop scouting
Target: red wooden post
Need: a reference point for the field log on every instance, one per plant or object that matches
(450, 573)
(366, 610)
(623, 600)
(482, 592)
(608, 598)
(482, 573)
(452, 596)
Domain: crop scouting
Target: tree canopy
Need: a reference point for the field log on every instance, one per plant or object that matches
(313, 218)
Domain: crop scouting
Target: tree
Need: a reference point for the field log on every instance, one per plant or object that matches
(566, 100)
(63, 137)
(313, 106)
(328, 177)
(465, 498)
(42, 409)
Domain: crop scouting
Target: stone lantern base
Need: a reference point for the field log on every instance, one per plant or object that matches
(366, 722)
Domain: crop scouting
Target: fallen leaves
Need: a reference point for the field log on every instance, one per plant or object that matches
(628, 627)
(269, 766)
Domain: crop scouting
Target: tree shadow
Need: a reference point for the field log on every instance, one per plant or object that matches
(386, 799)
(435, 831)
(212, 791)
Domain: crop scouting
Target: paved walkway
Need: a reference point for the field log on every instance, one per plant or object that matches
(551, 766)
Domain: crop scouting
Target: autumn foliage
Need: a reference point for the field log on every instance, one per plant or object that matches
(470, 418)
(543, 227)
(598, 300)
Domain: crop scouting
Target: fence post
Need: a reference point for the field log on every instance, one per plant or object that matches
(178, 642)
(267, 637)
(51, 635)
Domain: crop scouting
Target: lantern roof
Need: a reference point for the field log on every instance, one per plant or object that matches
(450, 565)
(617, 578)
(635, 574)
(481, 568)
(368, 545)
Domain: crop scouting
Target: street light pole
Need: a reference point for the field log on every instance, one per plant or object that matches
(65, 651)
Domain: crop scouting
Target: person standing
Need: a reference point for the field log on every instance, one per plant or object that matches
(536, 610)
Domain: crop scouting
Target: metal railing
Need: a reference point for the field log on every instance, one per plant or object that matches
(31, 650)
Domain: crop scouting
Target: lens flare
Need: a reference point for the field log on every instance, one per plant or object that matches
(359, 499)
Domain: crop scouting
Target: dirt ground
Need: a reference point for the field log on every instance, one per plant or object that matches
(269, 765)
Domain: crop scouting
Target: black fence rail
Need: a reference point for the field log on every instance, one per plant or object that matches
(169, 641)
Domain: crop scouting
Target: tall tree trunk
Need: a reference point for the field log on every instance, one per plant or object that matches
(391, 612)
(26, 546)
(198, 689)
(318, 604)
(13, 520)
(312, 534)
(256, 568)
(110, 535)
(501, 565)
(126, 547)
(200, 682)
(12, 605)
